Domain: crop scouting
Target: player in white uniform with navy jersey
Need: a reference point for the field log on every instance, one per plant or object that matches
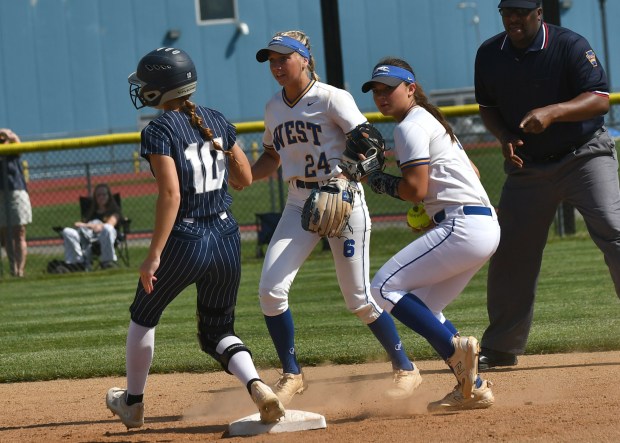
(305, 131)
(192, 151)
(425, 276)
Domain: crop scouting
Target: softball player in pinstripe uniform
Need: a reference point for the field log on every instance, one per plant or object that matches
(425, 276)
(305, 130)
(191, 150)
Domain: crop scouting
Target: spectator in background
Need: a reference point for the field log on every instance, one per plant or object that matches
(98, 224)
(15, 208)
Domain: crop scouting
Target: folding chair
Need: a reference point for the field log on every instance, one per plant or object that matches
(122, 229)
(265, 226)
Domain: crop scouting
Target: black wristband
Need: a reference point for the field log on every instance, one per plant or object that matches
(383, 183)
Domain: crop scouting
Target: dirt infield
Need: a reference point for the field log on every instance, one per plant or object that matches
(568, 397)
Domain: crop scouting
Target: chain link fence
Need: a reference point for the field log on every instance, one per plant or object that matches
(59, 172)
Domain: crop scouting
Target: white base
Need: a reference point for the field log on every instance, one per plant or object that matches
(291, 422)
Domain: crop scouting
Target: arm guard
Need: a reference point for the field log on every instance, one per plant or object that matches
(383, 183)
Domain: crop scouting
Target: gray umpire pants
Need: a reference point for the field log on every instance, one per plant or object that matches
(588, 180)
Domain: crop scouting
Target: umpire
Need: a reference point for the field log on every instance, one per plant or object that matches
(543, 93)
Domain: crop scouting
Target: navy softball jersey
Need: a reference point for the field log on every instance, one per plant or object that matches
(558, 66)
(204, 245)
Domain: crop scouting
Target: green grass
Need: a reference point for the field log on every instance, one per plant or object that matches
(74, 326)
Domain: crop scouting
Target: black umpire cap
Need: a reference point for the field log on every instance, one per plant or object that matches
(526, 4)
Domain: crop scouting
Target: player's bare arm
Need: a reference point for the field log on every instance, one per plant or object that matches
(509, 141)
(267, 164)
(583, 107)
(414, 185)
(166, 208)
(240, 171)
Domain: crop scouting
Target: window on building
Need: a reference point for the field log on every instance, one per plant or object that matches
(210, 12)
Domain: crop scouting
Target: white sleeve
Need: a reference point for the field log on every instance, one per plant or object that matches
(412, 144)
(267, 138)
(344, 111)
(345, 114)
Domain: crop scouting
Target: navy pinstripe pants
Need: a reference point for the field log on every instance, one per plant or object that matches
(210, 257)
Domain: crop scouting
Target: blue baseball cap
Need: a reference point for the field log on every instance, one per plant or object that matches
(283, 45)
(388, 75)
(525, 4)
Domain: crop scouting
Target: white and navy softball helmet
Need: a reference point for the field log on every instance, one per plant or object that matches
(162, 75)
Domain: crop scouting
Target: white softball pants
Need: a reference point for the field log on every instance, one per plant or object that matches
(291, 245)
(437, 266)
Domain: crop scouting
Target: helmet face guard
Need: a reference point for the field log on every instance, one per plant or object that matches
(134, 91)
(162, 75)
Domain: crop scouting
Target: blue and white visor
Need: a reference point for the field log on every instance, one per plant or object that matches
(283, 45)
(388, 75)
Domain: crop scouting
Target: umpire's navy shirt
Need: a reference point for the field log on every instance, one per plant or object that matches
(557, 67)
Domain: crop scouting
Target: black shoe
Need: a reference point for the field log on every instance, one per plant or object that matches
(76, 267)
(109, 265)
(489, 359)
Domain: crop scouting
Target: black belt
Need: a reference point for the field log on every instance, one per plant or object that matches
(467, 210)
(570, 149)
(306, 185)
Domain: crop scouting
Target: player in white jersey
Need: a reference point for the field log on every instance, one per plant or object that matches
(305, 131)
(417, 283)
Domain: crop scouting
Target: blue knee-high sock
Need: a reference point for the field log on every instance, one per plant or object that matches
(385, 330)
(413, 313)
(282, 333)
(448, 324)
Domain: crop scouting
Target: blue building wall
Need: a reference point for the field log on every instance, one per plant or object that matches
(64, 63)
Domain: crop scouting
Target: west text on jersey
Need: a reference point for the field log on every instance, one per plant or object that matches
(296, 131)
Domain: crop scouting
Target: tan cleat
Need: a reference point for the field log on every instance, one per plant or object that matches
(405, 382)
(481, 398)
(464, 363)
(288, 385)
(268, 403)
(131, 416)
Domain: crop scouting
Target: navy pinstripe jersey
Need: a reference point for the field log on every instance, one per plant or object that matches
(202, 169)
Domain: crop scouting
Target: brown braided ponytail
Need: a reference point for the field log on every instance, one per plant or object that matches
(190, 109)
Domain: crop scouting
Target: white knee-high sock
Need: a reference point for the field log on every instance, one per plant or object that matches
(138, 356)
(240, 364)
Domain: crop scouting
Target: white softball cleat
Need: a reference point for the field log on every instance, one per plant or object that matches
(131, 416)
(405, 382)
(481, 398)
(288, 385)
(464, 363)
(268, 403)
